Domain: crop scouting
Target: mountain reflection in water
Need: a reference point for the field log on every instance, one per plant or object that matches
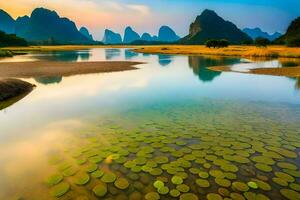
(199, 66)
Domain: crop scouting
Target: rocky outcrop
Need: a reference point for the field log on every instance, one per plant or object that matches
(209, 25)
(130, 35)
(146, 37)
(84, 31)
(111, 37)
(167, 34)
(292, 35)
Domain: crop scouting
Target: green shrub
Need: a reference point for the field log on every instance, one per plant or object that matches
(294, 42)
(7, 40)
(262, 42)
(217, 43)
(5, 53)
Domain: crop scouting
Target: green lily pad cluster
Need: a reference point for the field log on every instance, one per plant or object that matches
(184, 152)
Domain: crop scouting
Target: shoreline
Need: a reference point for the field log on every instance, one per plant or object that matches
(50, 68)
(231, 51)
(272, 51)
(284, 71)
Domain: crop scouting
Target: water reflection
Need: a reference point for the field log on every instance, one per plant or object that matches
(48, 80)
(199, 66)
(112, 53)
(65, 56)
(297, 84)
(11, 101)
(130, 54)
(165, 60)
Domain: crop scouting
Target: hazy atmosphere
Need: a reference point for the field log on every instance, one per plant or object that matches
(148, 16)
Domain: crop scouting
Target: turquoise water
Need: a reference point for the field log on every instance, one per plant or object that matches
(170, 104)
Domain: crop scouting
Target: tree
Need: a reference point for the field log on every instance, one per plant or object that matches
(217, 43)
(11, 40)
(247, 42)
(262, 42)
(294, 42)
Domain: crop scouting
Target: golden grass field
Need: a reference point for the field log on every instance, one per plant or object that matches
(240, 51)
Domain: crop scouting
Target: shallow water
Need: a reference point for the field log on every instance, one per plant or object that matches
(173, 112)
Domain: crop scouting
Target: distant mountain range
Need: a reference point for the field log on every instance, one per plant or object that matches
(209, 25)
(258, 33)
(44, 25)
(292, 36)
(165, 34)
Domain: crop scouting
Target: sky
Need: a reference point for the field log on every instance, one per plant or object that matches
(149, 15)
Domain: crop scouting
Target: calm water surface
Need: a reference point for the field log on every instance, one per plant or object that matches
(219, 134)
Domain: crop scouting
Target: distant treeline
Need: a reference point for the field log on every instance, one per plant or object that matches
(7, 40)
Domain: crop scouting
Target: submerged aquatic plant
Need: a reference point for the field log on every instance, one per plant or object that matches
(185, 152)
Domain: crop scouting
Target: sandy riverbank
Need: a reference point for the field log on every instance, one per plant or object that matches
(285, 71)
(46, 69)
(64, 47)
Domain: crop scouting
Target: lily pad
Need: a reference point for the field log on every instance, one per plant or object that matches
(121, 183)
(290, 194)
(108, 177)
(97, 174)
(213, 196)
(286, 165)
(100, 190)
(174, 193)
(202, 183)
(203, 175)
(280, 181)
(60, 189)
(81, 178)
(223, 182)
(176, 180)
(91, 168)
(54, 179)
(163, 190)
(252, 185)
(158, 184)
(285, 176)
(295, 186)
(152, 196)
(254, 196)
(188, 196)
(183, 188)
(240, 186)
(263, 167)
(70, 171)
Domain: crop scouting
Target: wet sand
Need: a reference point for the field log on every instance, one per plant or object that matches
(285, 71)
(46, 69)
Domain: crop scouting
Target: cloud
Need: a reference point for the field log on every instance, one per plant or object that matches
(95, 15)
(144, 10)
